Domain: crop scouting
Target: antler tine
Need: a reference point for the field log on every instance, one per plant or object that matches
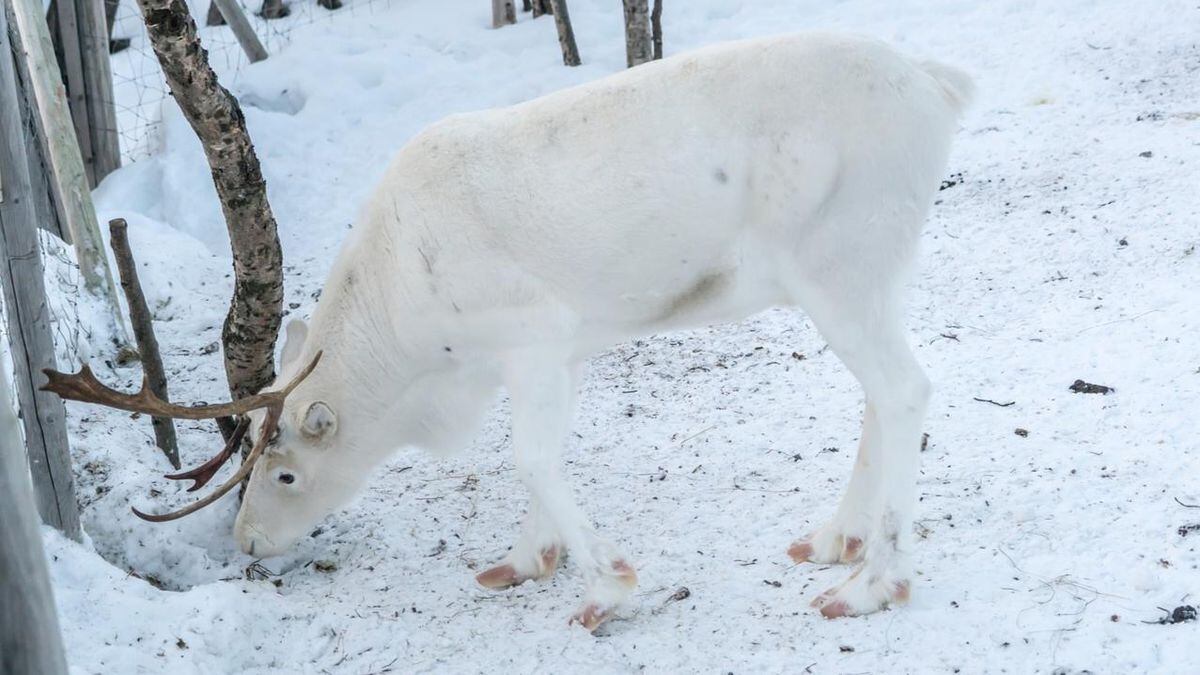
(204, 473)
(244, 470)
(83, 386)
(200, 475)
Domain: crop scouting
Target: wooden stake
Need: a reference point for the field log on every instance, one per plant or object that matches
(143, 332)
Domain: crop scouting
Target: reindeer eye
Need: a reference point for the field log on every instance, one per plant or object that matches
(287, 478)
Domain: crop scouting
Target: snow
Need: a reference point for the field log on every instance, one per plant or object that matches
(1060, 253)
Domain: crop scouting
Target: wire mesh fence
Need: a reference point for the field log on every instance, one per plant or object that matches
(139, 90)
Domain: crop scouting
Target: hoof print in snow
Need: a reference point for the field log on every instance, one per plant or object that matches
(1081, 387)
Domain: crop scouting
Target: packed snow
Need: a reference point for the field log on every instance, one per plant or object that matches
(1052, 525)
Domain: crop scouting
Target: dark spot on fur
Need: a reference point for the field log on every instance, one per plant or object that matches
(721, 176)
(447, 349)
(706, 288)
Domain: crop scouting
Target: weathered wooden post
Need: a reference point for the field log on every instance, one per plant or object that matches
(79, 30)
(64, 164)
(30, 641)
(48, 217)
(28, 316)
(242, 30)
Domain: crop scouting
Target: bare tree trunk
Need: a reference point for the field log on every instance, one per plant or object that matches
(504, 12)
(214, 18)
(566, 35)
(30, 641)
(110, 14)
(274, 9)
(252, 324)
(526, 5)
(143, 332)
(541, 7)
(656, 29)
(28, 317)
(637, 33)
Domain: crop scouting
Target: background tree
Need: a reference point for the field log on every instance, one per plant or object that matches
(566, 34)
(504, 12)
(637, 33)
(252, 324)
(656, 28)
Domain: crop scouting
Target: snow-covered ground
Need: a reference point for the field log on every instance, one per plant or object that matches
(1063, 247)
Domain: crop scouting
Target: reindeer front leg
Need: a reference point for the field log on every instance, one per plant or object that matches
(535, 556)
(543, 401)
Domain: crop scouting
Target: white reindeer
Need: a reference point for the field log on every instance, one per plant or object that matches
(504, 247)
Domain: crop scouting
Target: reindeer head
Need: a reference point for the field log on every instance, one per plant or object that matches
(293, 477)
(305, 472)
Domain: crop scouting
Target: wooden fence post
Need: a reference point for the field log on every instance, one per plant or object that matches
(28, 315)
(242, 30)
(48, 217)
(79, 31)
(30, 641)
(63, 160)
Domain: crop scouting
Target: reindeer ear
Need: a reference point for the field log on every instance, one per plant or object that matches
(293, 342)
(319, 421)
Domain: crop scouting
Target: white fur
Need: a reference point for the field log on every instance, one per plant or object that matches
(504, 247)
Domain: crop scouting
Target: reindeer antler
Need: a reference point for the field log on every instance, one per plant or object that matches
(83, 386)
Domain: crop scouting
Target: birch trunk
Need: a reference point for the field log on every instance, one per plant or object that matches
(252, 324)
(566, 34)
(637, 33)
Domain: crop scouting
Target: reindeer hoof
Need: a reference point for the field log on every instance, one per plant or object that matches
(506, 575)
(605, 594)
(591, 616)
(826, 548)
(860, 595)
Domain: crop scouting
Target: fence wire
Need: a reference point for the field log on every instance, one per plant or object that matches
(139, 89)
